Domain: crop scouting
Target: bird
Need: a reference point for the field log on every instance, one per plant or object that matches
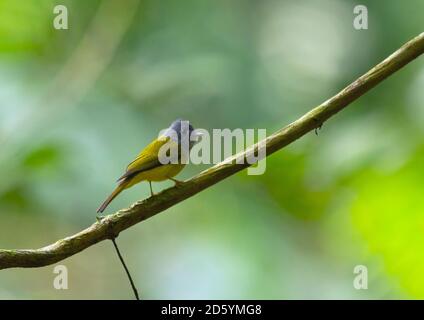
(147, 166)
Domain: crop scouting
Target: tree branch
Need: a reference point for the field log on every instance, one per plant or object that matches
(112, 225)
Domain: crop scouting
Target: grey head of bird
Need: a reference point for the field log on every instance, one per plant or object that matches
(182, 129)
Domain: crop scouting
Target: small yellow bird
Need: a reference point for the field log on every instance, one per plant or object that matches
(147, 165)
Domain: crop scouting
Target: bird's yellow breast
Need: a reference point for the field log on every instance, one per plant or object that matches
(160, 173)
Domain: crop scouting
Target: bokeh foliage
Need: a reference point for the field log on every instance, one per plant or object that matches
(78, 104)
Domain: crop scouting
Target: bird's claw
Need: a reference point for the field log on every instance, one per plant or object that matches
(177, 182)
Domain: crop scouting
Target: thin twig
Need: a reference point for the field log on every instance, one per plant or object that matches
(126, 269)
(142, 210)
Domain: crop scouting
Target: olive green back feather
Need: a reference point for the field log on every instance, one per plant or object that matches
(147, 159)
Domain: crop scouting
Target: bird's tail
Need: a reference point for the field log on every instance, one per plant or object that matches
(112, 196)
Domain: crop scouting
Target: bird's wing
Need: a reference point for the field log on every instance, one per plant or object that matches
(147, 159)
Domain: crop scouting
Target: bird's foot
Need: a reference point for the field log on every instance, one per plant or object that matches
(100, 218)
(177, 182)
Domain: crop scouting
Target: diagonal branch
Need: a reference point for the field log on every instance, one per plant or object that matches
(112, 225)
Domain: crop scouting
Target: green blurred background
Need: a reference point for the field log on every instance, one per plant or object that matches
(77, 105)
